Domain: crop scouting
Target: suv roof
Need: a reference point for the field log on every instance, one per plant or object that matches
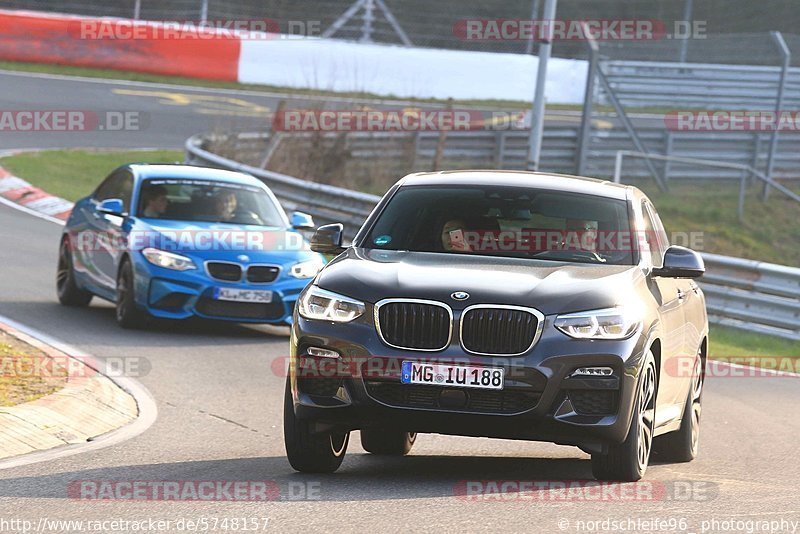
(539, 180)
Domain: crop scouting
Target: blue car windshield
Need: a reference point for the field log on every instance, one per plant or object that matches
(207, 201)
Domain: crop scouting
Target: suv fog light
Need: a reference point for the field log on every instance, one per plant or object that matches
(593, 371)
(322, 353)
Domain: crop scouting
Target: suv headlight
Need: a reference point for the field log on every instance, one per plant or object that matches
(609, 323)
(322, 305)
(306, 269)
(168, 260)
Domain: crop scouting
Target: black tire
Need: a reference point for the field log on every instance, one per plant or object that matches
(682, 445)
(387, 442)
(128, 313)
(69, 294)
(627, 461)
(307, 452)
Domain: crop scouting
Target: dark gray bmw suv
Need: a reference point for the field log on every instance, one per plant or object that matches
(501, 304)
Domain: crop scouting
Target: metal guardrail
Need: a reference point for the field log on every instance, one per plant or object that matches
(745, 294)
(745, 170)
(325, 202)
(752, 295)
(700, 85)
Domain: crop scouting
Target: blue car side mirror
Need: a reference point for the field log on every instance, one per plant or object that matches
(301, 221)
(112, 206)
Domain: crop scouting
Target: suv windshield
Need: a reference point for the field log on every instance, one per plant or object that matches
(505, 221)
(207, 201)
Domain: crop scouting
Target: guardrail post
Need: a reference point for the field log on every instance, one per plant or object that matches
(667, 152)
(499, 148)
(437, 156)
(756, 150)
(742, 191)
(773, 145)
(618, 167)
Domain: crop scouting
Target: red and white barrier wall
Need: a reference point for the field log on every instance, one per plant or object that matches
(270, 59)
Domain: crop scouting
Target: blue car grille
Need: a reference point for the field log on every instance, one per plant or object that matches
(230, 272)
(240, 310)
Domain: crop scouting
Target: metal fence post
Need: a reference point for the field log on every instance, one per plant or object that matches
(204, 11)
(137, 10)
(773, 145)
(538, 106)
(631, 130)
(534, 14)
(588, 102)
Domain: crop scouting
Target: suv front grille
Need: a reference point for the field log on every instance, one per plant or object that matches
(230, 272)
(412, 324)
(499, 330)
(594, 402)
(507, 401)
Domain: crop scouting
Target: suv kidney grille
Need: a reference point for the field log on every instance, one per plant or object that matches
(414, 325)
(498, 331)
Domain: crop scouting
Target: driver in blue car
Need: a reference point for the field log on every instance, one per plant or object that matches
(155, 202)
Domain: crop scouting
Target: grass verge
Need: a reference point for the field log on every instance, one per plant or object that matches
(758, 350)
(26, 374)
(768, 232)
(73, 174)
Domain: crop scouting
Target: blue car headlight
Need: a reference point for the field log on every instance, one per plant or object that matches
(168, 260)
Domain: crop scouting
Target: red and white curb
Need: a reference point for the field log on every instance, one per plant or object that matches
(16, 190)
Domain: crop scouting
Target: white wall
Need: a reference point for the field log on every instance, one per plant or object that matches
(406, 72)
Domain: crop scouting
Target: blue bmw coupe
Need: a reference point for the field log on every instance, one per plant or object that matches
(175, 241)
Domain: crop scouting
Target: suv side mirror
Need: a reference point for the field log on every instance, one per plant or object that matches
(112, 206)
(681, 262)
(328, 239)
(301, 221)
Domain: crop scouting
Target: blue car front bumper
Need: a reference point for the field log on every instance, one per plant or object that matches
(171, 294)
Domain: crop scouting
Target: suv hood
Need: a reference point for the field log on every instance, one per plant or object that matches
(551, 287)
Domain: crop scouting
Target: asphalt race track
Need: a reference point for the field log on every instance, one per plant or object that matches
(219, 395)
(168, 114)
